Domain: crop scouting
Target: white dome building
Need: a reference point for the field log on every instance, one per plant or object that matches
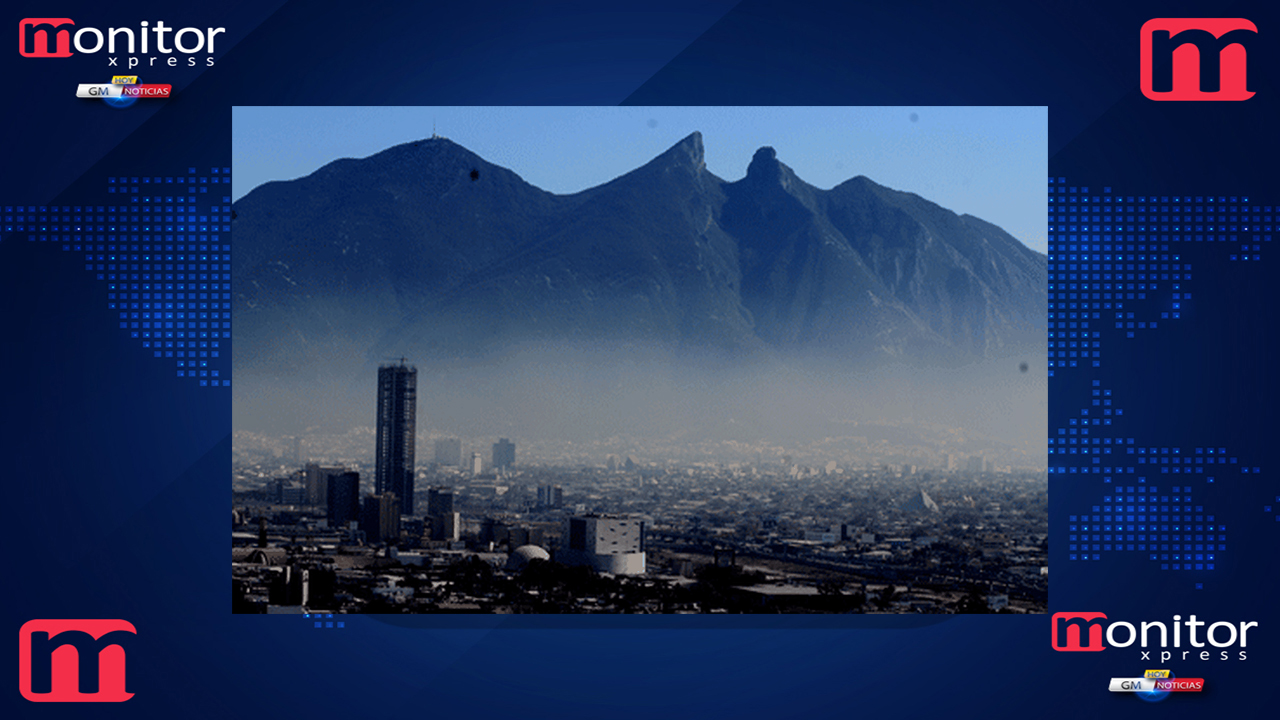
(523, 555)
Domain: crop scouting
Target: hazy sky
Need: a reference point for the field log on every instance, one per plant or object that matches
(991, 162)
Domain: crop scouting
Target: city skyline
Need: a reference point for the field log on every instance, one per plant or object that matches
(654, 539)
(768, 536)
(730, 393)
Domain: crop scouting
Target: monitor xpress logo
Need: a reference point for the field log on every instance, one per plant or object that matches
(1084, 632)
(74, 660)
(1196, 58)
(128, 47)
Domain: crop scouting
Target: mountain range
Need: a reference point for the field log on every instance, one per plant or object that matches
(426, 249)
(666, 303)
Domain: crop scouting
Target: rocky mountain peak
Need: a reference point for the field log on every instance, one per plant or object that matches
(764, 165)
(688, 151)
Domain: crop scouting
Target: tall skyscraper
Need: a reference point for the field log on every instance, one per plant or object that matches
(397, 420)
(504, 454)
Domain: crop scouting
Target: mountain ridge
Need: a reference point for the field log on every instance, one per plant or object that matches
(427, 249)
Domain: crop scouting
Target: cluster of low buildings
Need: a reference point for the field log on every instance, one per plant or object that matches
(801, 541)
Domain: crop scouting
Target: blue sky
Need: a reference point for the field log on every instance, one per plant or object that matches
(985, 161)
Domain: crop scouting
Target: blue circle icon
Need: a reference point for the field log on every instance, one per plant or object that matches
(120, 102)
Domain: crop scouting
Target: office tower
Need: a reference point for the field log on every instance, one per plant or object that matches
(448, 452)
(477, 465)
(380, 518)
(389, 518)
(317, 480)
(550, 496)
(504, 454)
(439, 501)
(607, 543)
(397, 415)
(343, 498)
(445, 523)
(446, 527)
(521, 535)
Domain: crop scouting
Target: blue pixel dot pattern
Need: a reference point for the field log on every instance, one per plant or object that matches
(327, 623)
(162, 248)
(1118, 272)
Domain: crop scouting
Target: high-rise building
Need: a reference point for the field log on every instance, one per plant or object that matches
(448, 452)
(477, 464)
(343, 498)
(389, 518)
(446, 527)
(504, 454)
(397, 420)
(550, 496)
(439, 500)
(445, 523)
(380, 518)
(317, 480)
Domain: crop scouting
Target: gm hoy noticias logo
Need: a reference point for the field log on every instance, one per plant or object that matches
(1197, 59)
(123, 91)
(74, 660)
(129, 47)
(1085, 632)
(1155, 685)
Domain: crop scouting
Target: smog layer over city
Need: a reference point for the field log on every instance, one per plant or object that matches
(677, 382)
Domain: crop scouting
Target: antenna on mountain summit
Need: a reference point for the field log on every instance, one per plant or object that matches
(433, 129)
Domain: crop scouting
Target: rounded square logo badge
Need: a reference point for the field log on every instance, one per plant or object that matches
(74, 660)
(1190, 59)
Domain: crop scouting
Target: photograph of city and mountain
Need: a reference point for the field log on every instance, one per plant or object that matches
(639, 360)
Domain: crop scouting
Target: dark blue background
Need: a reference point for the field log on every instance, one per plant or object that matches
(116, 471)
